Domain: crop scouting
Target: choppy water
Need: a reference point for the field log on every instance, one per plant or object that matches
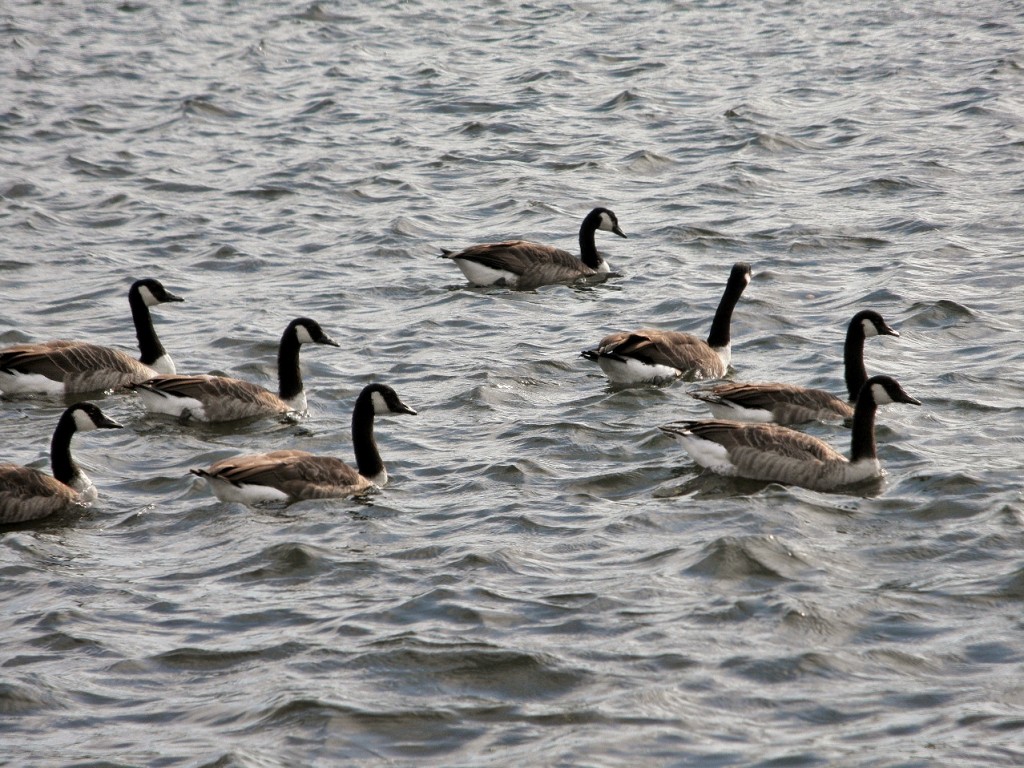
(547, 580)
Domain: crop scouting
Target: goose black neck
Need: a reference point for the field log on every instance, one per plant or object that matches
(149, 345)
(862, 445)
(719, 336)
(289, 377)
(853, 360)
(63, 466)
(368, 459)
(588, 250)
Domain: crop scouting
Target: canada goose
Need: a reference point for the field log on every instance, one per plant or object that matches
(782, 455)
(28, 494)
(649, 355)
(791, 404)
(298, 475)
(66, 367)
(221, 398)
(522, 265)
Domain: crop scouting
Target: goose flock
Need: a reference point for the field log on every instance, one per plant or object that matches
(750, 435)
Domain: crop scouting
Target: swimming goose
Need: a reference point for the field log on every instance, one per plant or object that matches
(28, 494)
(650, 355)
(221, 398)
(782, 455)
(297, 475)
(522, 265)
(791, 404)
(66, 367)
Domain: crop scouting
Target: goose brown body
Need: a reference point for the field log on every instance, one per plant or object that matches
(652, 355)
(793, 404)
(775, 453)
(525, 265)
(223, 398)
(68, 367)
(293, 475)
(28, 494)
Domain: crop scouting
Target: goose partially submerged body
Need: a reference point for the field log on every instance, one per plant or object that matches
(222, 398)
(652, 356)
(297, 475)
(778, 454)
(67, 367)
(792, 404)
(28, 494)
(522, 265)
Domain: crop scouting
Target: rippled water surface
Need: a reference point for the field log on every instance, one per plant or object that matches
(547, 580)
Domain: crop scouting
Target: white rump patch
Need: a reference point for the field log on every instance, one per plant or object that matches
(708, 454)
(246, 493)
(29, 383)
(732, 412)
(478, 274)
(630, 371)
(173, 405)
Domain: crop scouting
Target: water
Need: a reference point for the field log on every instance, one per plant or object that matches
(548, 580)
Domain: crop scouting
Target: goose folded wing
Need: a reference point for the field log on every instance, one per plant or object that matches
(671, 348)
(746, 441)
(204, 388)
(297, 473)
(518, 256)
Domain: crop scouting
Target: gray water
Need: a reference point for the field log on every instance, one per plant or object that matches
(547, 580)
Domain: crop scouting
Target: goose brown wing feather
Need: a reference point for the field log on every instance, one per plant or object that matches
(673, 348)
(219, 394)
(519, 256)
(28, 494)
(789, 403)
(67, 360)
(300, 474)
(742, 440)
